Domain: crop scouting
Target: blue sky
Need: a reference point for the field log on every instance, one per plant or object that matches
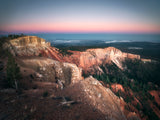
(80, 16)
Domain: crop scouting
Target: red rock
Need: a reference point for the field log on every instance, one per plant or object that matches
(156, 95)
(92, 57)
(117, 87)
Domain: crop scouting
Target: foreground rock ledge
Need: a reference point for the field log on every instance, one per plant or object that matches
(51, 70)
(91, 92)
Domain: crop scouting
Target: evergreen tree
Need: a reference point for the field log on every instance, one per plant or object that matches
(138, 106)
(107, 79)
(13, 72)
(114, 80)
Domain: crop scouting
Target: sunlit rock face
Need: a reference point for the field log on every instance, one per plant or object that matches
(32, 46)
(29, 41)
(51, 70)
(102, 98)
(92, 57)
(91, 92)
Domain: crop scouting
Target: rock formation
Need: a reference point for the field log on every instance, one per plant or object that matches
(32, 46)
(50, 70)
(92, 57)
(102, 98)
(87, 60)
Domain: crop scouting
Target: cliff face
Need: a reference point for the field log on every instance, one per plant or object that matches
(87, 60)
(102, 98)
(92, 57)
(32, 46)
(28, 41)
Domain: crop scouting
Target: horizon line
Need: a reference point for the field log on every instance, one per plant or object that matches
(31, 32)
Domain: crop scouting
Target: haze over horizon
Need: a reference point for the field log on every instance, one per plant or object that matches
(80, 16)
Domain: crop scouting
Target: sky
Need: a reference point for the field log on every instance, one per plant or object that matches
(80, 16)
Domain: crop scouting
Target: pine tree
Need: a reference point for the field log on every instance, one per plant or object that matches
(107, 79)
(114, 80)
(13, 72)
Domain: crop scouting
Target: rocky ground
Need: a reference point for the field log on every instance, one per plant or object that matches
(44, 103)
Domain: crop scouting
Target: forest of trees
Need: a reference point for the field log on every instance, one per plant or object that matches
(138, 76)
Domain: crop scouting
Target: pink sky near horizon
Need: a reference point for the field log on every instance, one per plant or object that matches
(82, 27)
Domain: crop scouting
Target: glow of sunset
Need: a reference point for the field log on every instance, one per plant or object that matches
(80, 16)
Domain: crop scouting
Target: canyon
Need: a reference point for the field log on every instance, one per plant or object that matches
(61, 75)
